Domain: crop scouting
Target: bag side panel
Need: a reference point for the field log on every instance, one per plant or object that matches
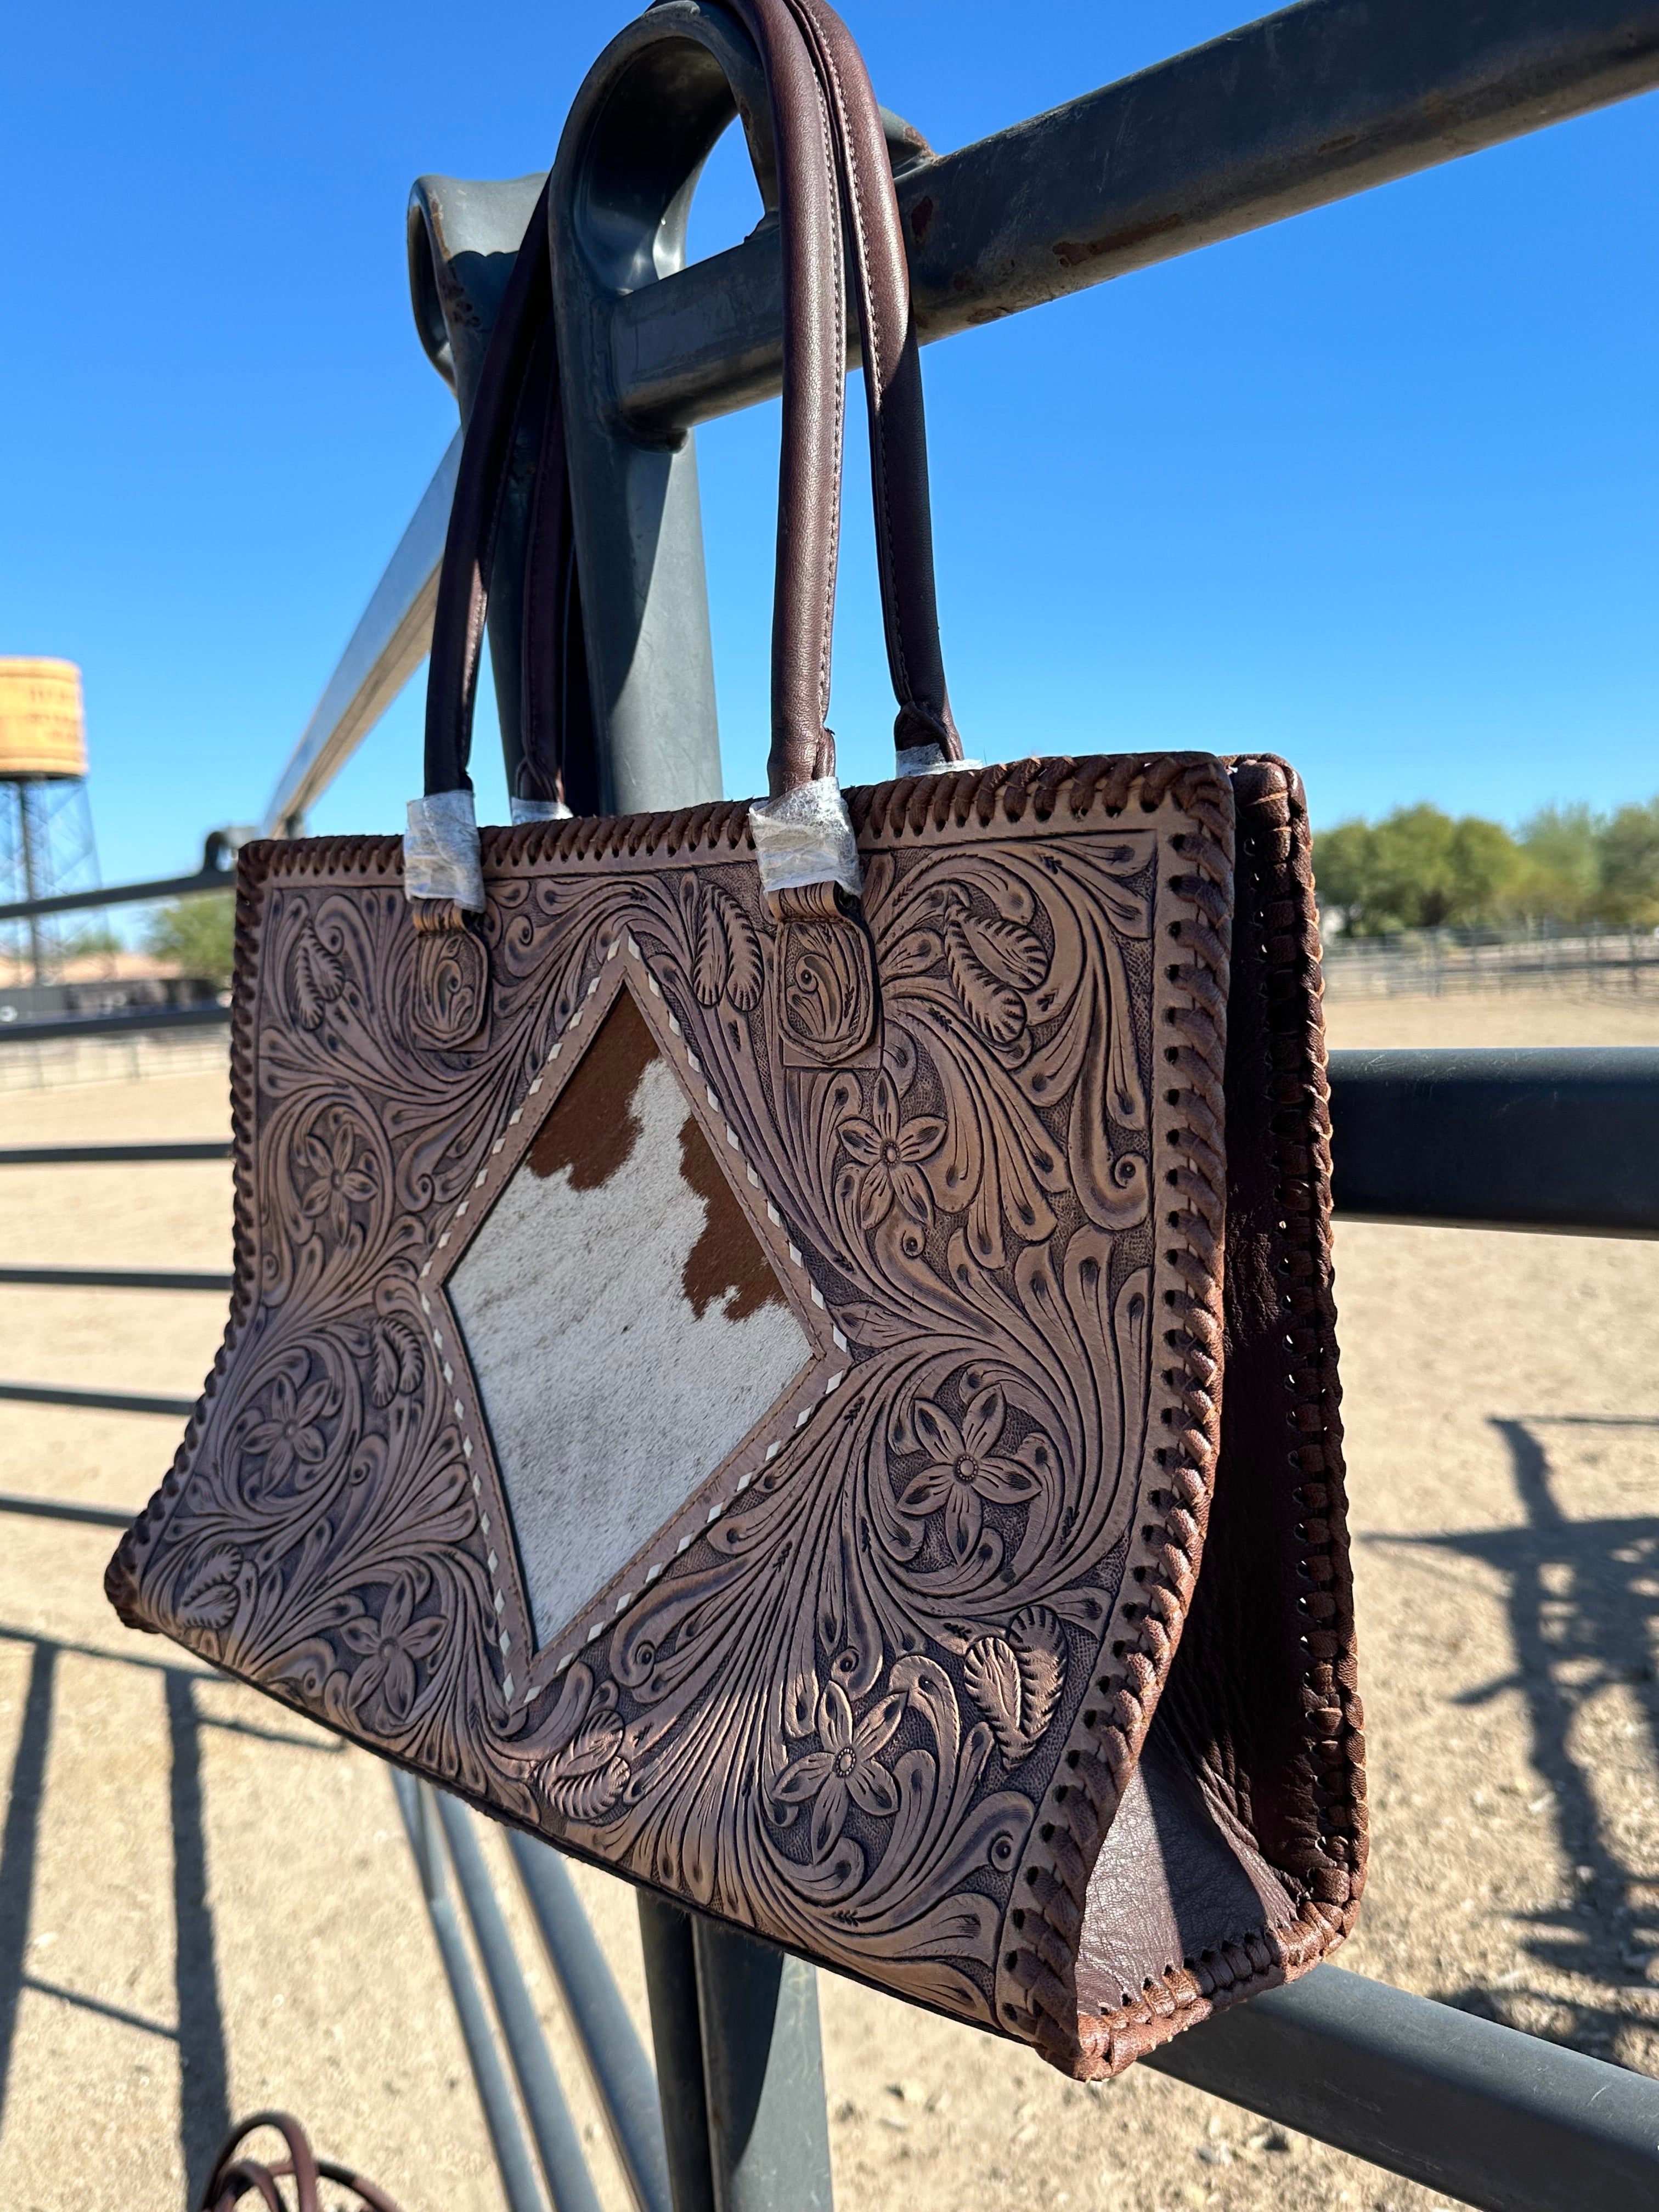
(1241, 1860)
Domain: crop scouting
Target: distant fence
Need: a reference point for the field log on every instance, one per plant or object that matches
(1624, 961)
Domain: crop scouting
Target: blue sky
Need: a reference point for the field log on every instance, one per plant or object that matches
(1375, 488)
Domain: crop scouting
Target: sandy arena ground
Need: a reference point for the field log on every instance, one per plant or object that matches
(1503, 1398)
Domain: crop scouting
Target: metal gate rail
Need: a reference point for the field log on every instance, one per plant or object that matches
(106, 1278)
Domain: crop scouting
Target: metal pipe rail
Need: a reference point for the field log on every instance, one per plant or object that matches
(144, 894)
(85, 1156)
(115, 1279)
(1544, 1138)
(216, 874)
(97, 1401)
(53, 1028)
(513, 2162)
(1304, 108)
(100, 1278)
(1476, 2110)
(504, 2039)
(622, 2075)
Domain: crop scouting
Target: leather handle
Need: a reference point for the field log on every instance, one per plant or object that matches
(814, 352)
(892, 375)
(833, 183)
(524, 325)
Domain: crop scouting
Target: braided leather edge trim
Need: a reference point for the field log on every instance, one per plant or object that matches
(1100, 2046)
(1334, 1730)
(909, 806)
(121, 1575)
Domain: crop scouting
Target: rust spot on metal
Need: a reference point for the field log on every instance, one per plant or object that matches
(1072, 252)
(920, 215)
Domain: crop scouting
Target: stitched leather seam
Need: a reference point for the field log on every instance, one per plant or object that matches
(838, 372)
(909, 807)
(874, 367)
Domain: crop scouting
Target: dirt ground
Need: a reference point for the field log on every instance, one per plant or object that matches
(207, 1905)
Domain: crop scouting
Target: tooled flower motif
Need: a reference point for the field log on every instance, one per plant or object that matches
(290, 1432)
(844, 1769)
(388, 1650)
(967, 1470)
(890, 1151)
(340, 1176)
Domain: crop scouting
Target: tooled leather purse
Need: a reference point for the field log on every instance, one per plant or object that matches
(788, 1348)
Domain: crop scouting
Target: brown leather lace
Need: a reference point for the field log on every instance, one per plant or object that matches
(234, 2177)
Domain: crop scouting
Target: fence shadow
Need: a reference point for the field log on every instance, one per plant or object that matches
(199, 2033)
(1583, 1611)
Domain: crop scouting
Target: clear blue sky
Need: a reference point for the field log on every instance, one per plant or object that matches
(1376, 487)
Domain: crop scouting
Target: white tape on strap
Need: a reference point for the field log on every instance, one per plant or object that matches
(539, 810)
(441, 851)
(929, 760)
(805, 837)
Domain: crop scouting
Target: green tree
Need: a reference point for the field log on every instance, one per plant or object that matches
(1629, 857)
(197, 933)
(1417, 869)
(1416, 885)
(1343, 870)
(89, 937)
(1561, 875)
(1486, 867)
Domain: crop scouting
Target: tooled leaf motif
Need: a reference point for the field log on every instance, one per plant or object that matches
(316, 979)
(993, 1003)
(586, 1778)
(1016, 1679)
(744, 974)
(395, 1360)
(726, 961)
(207, 1598)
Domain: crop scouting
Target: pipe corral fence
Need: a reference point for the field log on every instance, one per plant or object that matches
(1302, 108)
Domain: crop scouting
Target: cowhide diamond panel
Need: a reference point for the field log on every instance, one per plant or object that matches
(624, 1326)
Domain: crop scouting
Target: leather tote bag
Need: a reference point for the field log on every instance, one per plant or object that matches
(787, 1348)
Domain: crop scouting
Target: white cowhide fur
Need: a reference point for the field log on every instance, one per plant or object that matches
(610, 1397)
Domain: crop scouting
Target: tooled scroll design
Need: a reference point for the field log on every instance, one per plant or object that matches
(835, 1717)
(824, 1000)
(450, 999)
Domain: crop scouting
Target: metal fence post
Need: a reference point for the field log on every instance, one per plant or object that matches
(739, 2061)
(769, 2132)
(670, 1981)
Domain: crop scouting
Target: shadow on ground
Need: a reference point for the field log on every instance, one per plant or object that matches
(1583, 1613)
(199, 2033)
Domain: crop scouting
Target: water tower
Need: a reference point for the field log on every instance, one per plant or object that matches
(45, 822)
